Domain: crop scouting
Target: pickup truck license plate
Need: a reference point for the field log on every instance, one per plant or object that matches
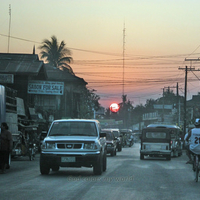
(68, 159)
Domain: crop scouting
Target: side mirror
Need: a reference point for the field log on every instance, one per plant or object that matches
(102, 134)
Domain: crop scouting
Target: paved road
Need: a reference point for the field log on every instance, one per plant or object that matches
(127, 177)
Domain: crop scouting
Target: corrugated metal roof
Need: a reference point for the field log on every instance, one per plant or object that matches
(20, 63)
(30, 64)
(54, 73)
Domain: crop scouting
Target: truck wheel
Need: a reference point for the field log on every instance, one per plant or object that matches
(180, 154)
(55, 168)
(120, 148)
(168, 157)
(112, 153)
(9, 161)
(141, 157)
(44, 169)
(98, 167)
(115, 152)
(104, 162)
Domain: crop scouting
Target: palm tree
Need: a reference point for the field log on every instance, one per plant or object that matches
(56, 54)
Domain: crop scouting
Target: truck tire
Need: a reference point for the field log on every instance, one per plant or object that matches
(9, 162)
(120, 148)
(55, 168)
(105, 162)
(141, 156)
(44, 168)
(168, 157)
(112, 153)
(98, 167)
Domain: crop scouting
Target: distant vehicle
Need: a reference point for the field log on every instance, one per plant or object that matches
(127, 137)
(74, 143)
(176, 134)
(111, 142)
(155, 142)
(116, 133)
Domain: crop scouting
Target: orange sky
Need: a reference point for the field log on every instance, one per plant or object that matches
(159, 35)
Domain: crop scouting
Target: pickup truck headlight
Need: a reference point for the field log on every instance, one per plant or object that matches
(90, 146)
(50, 145)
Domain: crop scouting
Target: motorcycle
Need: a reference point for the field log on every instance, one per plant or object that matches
(31, 150)
(130, 142)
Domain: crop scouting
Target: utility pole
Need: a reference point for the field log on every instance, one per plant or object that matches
(177, 101)
(178, 104)
(123, 96)
(9, 27)
(185, 96)
(123, 59)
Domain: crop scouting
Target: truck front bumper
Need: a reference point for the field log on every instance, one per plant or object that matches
(70, 159)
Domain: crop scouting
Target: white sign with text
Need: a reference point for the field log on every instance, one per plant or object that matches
(46, 87)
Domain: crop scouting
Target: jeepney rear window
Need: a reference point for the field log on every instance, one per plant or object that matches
(158, 135)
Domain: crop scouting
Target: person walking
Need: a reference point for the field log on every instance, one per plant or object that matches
(6, 144)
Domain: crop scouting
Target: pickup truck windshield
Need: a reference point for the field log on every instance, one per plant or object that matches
(70, 128)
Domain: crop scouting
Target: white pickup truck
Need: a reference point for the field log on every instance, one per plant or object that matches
(74, 143)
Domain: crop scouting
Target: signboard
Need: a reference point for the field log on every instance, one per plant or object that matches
(163, 107)
(46, 87)
(6, 78)
(107, 122)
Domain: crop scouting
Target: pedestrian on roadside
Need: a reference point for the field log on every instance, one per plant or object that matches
(6, 144)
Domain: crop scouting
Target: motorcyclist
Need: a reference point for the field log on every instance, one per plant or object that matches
(194, 136)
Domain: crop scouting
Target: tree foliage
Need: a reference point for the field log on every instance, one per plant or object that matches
(56, 54)
(89, 103)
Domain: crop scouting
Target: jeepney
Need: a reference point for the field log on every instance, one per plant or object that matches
(155, 142)
(176, 133)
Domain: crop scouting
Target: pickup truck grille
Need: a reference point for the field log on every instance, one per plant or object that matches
(69, 146)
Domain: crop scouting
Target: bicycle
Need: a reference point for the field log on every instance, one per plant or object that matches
(196, 166)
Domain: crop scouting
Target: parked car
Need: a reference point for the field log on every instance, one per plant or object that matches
(111, 142)
(155, 142)
(74, 143)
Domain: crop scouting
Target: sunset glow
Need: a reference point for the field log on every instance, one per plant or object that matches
(159, 35)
